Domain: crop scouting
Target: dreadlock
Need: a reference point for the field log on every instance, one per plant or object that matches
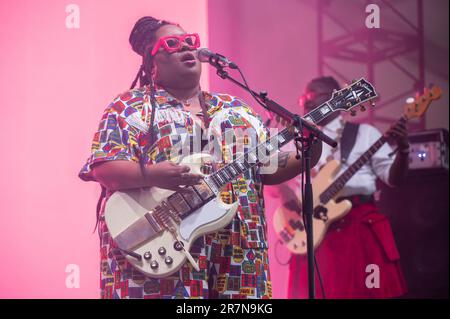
(141, 38)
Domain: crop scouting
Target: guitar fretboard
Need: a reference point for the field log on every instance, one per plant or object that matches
(181, 204)
(263, 152)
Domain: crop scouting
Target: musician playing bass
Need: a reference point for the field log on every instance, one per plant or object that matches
(361, 244)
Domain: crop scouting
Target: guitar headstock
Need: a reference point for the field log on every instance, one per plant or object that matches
(416, 107)
(357, 93)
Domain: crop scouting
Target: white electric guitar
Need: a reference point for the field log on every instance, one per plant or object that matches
(155, 228)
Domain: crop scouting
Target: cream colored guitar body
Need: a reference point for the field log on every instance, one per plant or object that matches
(289, 225)
(161, 252)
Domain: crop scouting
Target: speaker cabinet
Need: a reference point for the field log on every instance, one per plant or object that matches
(419, 211)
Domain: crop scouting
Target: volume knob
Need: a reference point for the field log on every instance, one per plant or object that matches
(161, 251)
(154, 264)
(168, 260)
(178, 245)
(147, 255)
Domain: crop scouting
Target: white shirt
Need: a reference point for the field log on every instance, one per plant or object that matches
(363, 182)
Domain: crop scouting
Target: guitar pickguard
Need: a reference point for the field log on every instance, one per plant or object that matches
(205, 215)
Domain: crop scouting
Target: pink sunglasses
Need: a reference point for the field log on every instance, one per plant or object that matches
(174, 43)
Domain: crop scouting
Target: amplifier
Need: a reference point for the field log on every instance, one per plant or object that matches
(428, 150)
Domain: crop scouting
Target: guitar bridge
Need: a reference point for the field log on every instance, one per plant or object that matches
(163, 217)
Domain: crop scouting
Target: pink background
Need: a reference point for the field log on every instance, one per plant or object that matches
(56, 82)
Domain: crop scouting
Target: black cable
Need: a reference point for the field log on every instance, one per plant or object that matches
(320, 278)
(276, 256)
(250, 90)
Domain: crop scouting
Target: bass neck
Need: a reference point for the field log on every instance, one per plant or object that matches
(342, 180)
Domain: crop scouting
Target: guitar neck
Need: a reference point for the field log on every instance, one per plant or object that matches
(262, 152)
(340, 182)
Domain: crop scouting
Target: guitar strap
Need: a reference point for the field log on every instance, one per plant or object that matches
(348, 139)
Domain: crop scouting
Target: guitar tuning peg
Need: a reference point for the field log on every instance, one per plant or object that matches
(353, 113)
(362, 108)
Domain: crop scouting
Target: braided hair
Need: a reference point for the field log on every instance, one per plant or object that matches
(142, 35)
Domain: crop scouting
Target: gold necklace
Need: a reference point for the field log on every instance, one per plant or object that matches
(187, 102)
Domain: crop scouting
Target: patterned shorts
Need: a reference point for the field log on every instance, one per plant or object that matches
(227, 271)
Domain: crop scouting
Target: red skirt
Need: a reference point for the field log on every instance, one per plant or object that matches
(357, 259)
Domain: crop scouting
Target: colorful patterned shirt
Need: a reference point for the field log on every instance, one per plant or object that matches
(123, 134)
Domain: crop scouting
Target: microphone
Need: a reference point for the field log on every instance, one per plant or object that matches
(215, 59)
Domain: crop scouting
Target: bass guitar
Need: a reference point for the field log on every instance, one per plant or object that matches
(288, 222)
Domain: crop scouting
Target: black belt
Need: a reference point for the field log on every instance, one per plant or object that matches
(358, 200)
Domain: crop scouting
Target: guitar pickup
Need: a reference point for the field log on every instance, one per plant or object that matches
(191, 197)
(179, 204)
(204, 191)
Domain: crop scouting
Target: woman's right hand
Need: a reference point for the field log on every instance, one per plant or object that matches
(171, 176)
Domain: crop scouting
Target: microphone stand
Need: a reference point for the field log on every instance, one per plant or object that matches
(314, 135)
